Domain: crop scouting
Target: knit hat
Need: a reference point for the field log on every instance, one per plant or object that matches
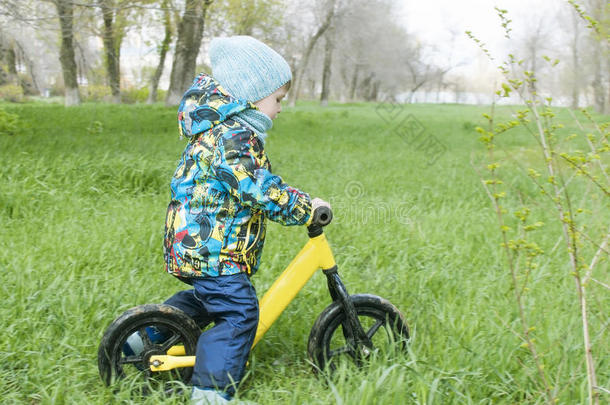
(247, 68)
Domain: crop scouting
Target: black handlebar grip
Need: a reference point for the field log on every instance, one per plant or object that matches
(322, 216)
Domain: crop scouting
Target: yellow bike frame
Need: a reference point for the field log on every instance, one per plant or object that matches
(316, 254)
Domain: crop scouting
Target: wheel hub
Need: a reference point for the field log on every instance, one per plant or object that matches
(148, 353)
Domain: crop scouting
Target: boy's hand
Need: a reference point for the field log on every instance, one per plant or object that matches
(315, 203)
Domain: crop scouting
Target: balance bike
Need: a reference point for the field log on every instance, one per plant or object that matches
(352, 326)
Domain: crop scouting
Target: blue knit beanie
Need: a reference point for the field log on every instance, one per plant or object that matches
(247, 68)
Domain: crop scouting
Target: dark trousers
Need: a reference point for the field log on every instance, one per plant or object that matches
(222, 351)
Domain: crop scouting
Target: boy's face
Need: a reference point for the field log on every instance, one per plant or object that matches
(270, 105)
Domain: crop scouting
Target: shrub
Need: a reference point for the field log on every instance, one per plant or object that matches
(4, 76)
(27, 84)
(468, 126)
(11, 92)
(9, 123)
(161, 94)
(95, 128)
(134, 95)
(97, 92)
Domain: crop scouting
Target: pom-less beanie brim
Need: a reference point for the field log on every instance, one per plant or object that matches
(247, 68)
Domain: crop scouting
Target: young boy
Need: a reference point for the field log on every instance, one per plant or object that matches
(221, 194)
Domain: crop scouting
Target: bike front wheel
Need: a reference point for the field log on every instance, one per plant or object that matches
(331, 340)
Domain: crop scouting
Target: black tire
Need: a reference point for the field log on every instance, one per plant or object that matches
(177, 327)
(328, 341)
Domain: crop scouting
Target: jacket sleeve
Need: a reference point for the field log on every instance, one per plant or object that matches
(242, 167)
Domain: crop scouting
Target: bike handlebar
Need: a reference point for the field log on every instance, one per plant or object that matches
(321, 217)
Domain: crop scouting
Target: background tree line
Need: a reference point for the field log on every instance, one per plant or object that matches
(338, 49)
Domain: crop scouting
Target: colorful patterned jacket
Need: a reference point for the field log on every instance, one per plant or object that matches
(223, 190)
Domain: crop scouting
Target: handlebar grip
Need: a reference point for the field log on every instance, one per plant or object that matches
(322, 216)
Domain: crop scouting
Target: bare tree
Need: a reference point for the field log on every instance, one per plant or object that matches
(190, 33)
(8, 59)
(597, 82)
(599, 10)
(593, 53)
(369, 69)
(112, 47)
(20, 54)
(419, 71)
(574, 47)
(370, 87)
(65, 12)
(4, 76)
(326, 71)
(116, 21)
(535, 44)
(450, 63)
(329, 7)
(29, 31)
(163, 48)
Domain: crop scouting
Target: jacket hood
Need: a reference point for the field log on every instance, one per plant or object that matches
(205, 105)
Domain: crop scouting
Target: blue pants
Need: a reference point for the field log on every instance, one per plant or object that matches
(222, 351)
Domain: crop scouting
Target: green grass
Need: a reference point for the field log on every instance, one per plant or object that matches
(83, 194)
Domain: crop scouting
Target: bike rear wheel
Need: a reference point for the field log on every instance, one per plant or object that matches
(174, 328)
(331, 340)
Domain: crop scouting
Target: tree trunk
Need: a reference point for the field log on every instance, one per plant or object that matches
(458, 93)
(65, 11)
(113, 68)
(533, 86)
(154, 84)
(2, 47)
(599, 92)
(326, 71)
(28, 88)
(11, 59)
(607, 110)
(352, 90)
(298, 75)
(190, 33)
(602, 56)
(10, 56)
(575, 64)
(418, 77)
(368, 87)
(3, 55)
(375, 91)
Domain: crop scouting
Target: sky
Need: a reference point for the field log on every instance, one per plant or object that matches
(442, 24)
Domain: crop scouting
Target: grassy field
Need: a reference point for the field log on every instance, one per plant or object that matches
(83, 194)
